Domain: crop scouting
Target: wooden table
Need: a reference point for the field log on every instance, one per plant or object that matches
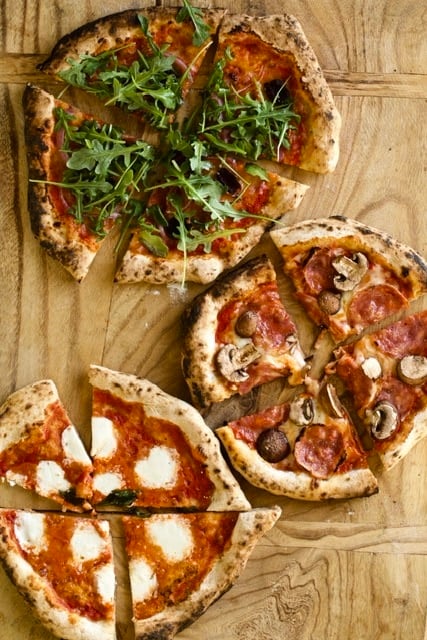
(331, 571)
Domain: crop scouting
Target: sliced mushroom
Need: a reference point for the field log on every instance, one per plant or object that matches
(302, 410)
(292, 342)
(412, 369)
(371, 368)
(350, 271)
(246, 323)
(334, 401)
(329, 302)
(233, 361)
(383, 420)
(273, 445)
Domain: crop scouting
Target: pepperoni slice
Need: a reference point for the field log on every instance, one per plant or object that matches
(401, 395)
(318, 271)
(360, 385)
(408, 336)
(373, 304)
(319, 450)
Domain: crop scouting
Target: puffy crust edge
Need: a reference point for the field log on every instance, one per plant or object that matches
(406, 262)
(227, 494)
(42, 599)
(284, 33)
(250, 527)
(353, 484)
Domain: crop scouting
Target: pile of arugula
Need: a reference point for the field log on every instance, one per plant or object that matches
(111, 178)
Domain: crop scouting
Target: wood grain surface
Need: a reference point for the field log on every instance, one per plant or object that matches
(327, 571)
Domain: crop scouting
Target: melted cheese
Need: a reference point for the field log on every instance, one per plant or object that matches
(50, 478)
(173, 536)
(15, 478)
(159, 469)
(29, 531)
(86, 543)
(106, 583)
(105, 483)
(104, 439)
(143, 579)
(73, 446)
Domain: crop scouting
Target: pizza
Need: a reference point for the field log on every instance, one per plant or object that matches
(199, 199)
(237, 335)
(63, 566)
(307, 449)
(82, 173)
(40, 448)
(347, 275)
(179, 564)
(267, 60)
(385, 376)
(150, 449)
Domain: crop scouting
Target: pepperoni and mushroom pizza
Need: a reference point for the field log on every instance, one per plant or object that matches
(195, 200)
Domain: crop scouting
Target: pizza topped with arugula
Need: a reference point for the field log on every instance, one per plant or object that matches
(192, 196)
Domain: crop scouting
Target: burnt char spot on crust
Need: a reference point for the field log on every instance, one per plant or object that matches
(65, 255)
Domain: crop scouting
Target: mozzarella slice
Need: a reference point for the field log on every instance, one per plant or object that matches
(86, 543)
(143, 579)
(159, 469)
(104, 439)
(106, 583)
(29, 531)
(50, 478)
(105, 483)
(73, 446)
(173, 535)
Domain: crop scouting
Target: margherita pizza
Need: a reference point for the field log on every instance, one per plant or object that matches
(179, 564)
(349, 276)
(152, 450)
(385, 374)
(41, 450)
(63, 566)
(307, 449)
(237, 335)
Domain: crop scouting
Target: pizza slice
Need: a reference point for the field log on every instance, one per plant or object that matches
(41, 450)
(349, 276)
(267, 96)
(181, 563)
(63, 566)
(206, 214)
(82, 174)
(385, 375)
(150, 449)
(237, 335)
(141, 60)
(306, 449)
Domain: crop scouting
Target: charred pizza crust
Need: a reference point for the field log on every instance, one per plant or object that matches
(227, 494)
(322, 119)
(200, 346)
(138, 265)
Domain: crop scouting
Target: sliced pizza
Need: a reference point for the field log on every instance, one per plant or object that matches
(141, 60)
(181, 563)
(82, 174)
(63, 566)
(306, 449)
(267, 96)
(237, 335)
(385, 374)
(40, 448)
(199, 222)
(150, 449)
(349, 276)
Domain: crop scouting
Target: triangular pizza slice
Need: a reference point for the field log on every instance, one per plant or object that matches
(306, 449)
(347, 275)
(267, 96)
(206, 214)
(141, 60)
(181, 563)
(385, 375)
(237, 335)
(40, 448)
(63, 566)
(152, 450)
(82, 174)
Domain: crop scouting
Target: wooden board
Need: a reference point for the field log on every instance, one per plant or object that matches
(336, 570)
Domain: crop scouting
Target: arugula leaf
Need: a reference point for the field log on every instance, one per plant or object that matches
(201, 29)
